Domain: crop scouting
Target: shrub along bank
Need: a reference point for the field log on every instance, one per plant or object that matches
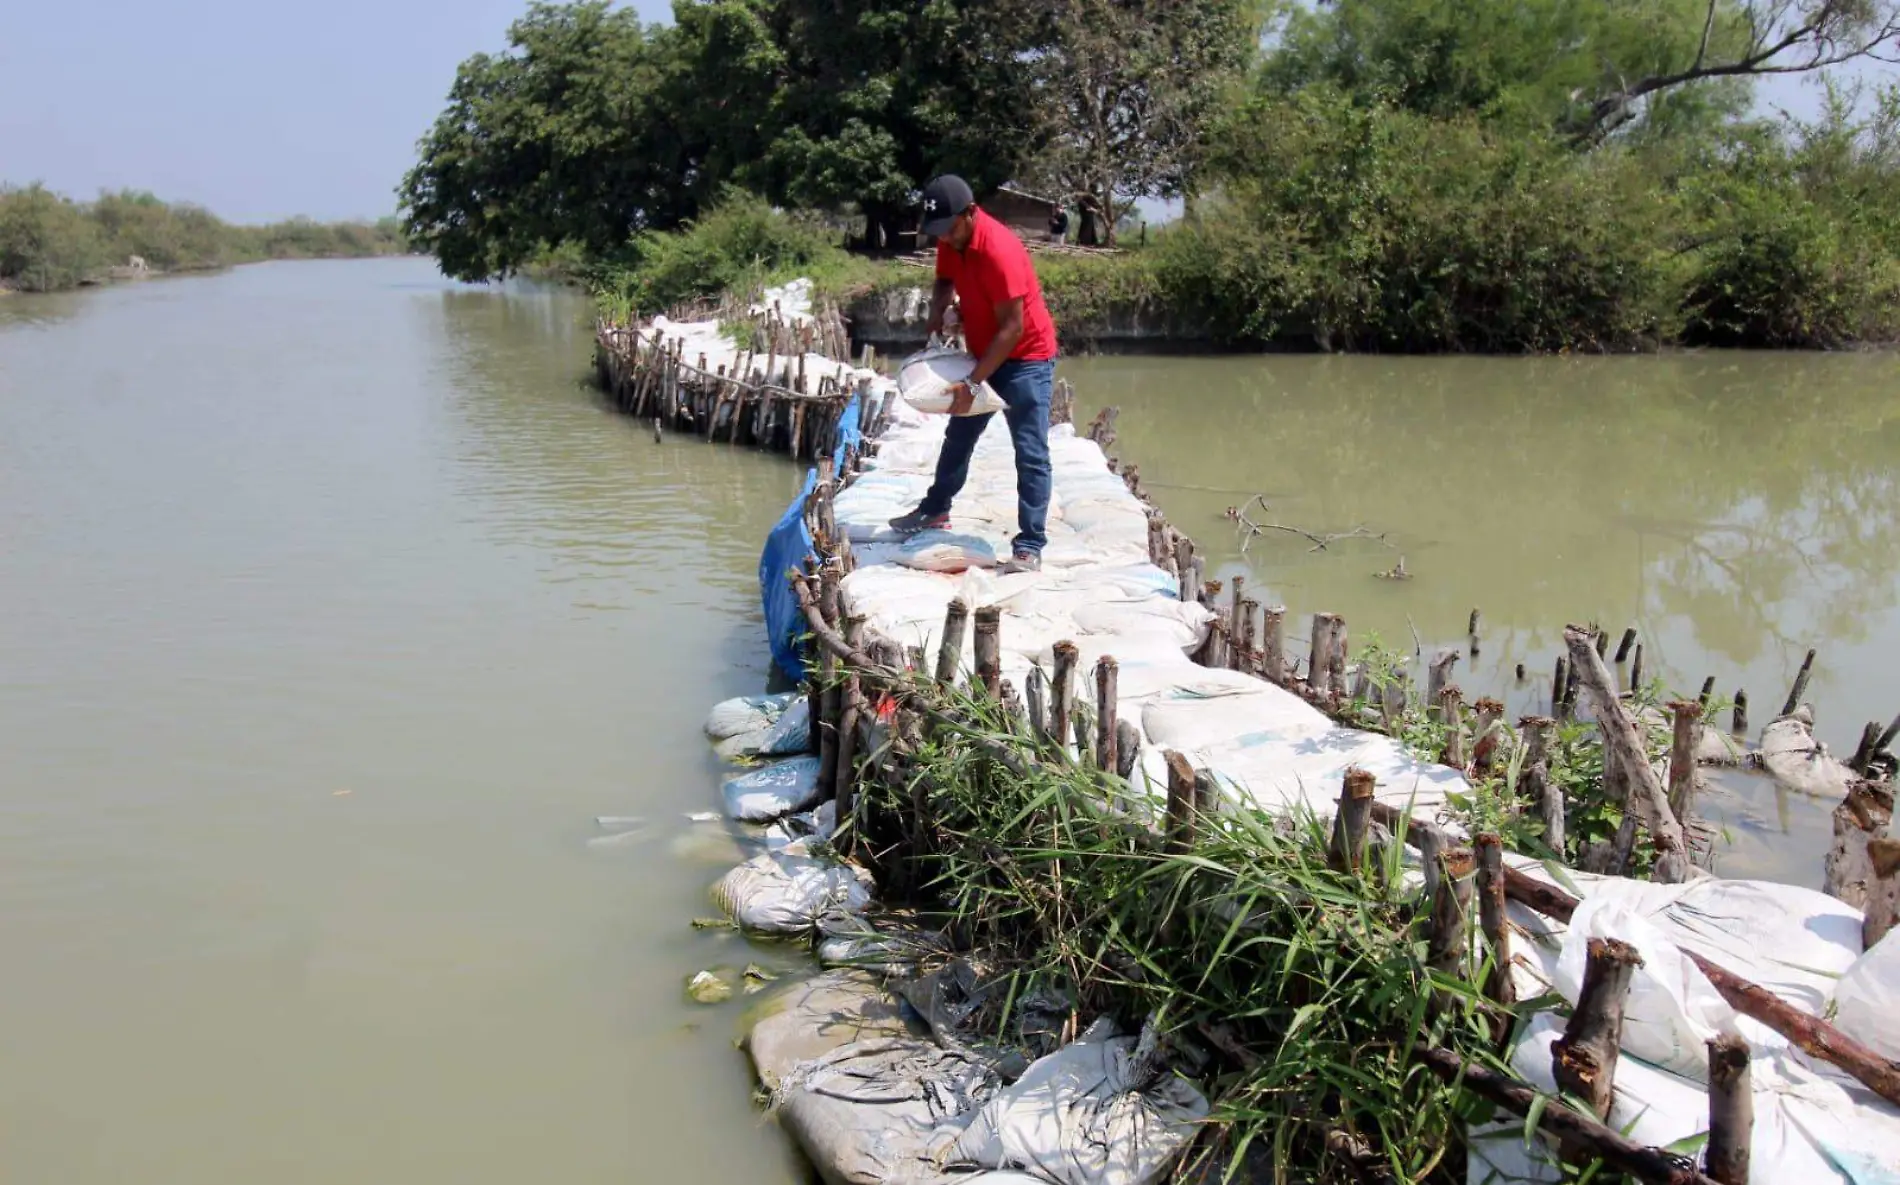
(49, 242)
(1348, 226)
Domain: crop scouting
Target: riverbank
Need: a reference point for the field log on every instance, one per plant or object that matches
(51, 243)
(929, 782)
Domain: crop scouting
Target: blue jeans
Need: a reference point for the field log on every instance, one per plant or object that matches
(1025, 388)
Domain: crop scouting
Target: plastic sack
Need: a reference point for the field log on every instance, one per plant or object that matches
(943, 551)
(788, 891)
(747, 713)
(792, 733)
(782, 788)
(925, 378)
(1867, 1000)
(1672, 1009)
(1077, 1117)
(871, 1112)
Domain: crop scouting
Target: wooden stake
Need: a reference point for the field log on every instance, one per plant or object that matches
(1739, 720)
(1583, 1060)
(1623, 647)
(1800, 687)
(1353, 821)
(1490, 733)
(1559, 679)
(1127, 747)
(1180, 824)
(989, 649)
(1636, 669)
(1106, 739)
(1437, 676)
(1498, 985)
(1472, 629)
(1236, 660)
(1273, 645)
(1537, 788)
(1708, 692)
(1451, 703)
(1688, 725)
(1446, 952)
(950, 647)
(1882, 910)
(846, 785)
(1062, 691)
(1244, 642)
(1731, 1110)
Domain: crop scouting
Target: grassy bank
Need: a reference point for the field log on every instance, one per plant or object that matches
(49, 242)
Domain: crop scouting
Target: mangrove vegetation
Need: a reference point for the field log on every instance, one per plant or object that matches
(49, 241)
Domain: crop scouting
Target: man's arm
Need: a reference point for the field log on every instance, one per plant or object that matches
(940, 296)
(1009, 331)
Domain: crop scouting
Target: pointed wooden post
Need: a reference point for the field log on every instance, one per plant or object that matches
(1273, 645)
(1062, 691)
(1499, 987)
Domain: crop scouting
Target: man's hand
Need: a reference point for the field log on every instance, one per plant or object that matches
(962, 398)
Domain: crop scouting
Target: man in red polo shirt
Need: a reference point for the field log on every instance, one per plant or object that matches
(986, 267)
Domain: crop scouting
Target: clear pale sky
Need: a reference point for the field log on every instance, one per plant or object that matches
(256, 111)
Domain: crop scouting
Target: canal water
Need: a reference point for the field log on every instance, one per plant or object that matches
(334, 607)
(1736, 508)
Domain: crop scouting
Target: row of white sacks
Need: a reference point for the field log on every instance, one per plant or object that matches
(1268, 748)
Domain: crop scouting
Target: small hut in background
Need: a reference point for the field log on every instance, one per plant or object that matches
(1023, 212)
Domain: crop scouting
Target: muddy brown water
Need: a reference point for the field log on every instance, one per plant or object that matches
(334, 607)
(1736, 508)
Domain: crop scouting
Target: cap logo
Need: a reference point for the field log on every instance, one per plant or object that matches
(932, 205)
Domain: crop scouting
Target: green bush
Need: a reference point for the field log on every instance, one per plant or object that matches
(1371, 228)
(46, 241)
(739, 242)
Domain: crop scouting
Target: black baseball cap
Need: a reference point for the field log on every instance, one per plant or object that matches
(945, 198)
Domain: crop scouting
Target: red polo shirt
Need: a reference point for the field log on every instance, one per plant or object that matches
(995, 268)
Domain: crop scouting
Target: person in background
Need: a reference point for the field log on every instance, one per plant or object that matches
(1059, 225)
(1007, 326)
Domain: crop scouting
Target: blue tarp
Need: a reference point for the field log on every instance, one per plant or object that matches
(786, 550)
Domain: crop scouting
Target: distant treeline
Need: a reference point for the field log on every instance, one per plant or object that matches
(1406, 175)
(49, 242)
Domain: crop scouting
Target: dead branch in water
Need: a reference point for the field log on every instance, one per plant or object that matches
(1238, 516)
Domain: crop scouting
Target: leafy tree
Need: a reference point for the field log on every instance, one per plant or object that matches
(878, 98)
(561, 139)
(46, 241)
(1125, 90)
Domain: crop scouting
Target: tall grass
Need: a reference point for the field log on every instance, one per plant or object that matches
(1248, 941)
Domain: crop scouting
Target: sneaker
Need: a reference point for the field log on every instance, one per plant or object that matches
(910, 524)
(1022, 561)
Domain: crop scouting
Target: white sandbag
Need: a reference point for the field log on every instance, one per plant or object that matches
(747, 713)
(1076, 1117)
(1184, 624)
(1269, 714)
(872, 1112)
(1672, 1010)
(1867, 999)
(945, 551)
(782, 788)
(925, 379)
(1795, 942)
(809, 1018)
(792, 733)
(741, 746)
(788, 891)
(1795, 759)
